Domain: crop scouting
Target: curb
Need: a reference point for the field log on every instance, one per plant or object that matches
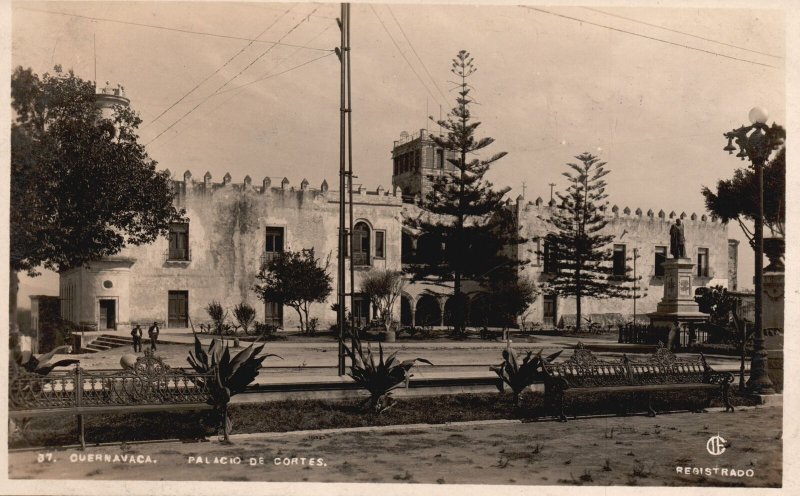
(372, 428)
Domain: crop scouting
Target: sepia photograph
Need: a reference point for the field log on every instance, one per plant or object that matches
(396, 245)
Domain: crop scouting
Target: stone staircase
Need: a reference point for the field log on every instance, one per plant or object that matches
(107, 342)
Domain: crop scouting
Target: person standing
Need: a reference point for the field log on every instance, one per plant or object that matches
(136, 333)
(153, 333)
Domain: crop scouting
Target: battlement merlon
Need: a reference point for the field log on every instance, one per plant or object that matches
(614, 212)
(279, 186)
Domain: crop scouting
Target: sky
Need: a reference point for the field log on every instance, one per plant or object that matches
(648, 90)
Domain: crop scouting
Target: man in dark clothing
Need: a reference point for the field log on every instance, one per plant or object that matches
(136, 333)
(153, 333)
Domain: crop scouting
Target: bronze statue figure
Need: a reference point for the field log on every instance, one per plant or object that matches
(677, 240)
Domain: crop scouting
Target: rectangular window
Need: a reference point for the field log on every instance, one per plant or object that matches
(395, 167)
(619, 260)
(178, 241)
(550, 258)
(702, 262)
(178, 309)
(380, 244)
(273, 243)
(440, 159)
(661, 257)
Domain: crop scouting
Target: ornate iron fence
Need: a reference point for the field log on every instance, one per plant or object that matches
(149, 382)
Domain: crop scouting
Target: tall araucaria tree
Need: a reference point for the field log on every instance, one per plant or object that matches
(583, 260)
(82, 187)
(462, 212)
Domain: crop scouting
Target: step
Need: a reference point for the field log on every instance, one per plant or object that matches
(112, 342)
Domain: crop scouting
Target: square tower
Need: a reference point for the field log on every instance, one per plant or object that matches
(417, 160)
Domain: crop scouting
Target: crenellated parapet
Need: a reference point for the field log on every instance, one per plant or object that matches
(186, 186)
(541, 208)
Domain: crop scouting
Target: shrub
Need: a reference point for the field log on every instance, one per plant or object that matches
(219, 317)
(230, 375)
(245, 316)
(379, 378)
(518, 375)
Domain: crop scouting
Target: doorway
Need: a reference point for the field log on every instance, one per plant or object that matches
(178, 309)
(108, 314)
(550, 305)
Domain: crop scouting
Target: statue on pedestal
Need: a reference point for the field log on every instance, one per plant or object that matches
(677, 240)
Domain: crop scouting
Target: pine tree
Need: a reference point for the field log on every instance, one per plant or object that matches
(578, 245)
(462, 212)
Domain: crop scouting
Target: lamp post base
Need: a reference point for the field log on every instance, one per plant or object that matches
(759, 382)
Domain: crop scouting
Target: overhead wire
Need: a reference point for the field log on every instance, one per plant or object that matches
(653, 38)
(682, 32)
(219, 68)
(399, 25)
(403, 54)
(185, 31)
(265, 76)
(233, 78)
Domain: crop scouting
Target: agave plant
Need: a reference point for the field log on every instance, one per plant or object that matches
(41, 365)
(230, 376)
(379, 378)
(518, 375)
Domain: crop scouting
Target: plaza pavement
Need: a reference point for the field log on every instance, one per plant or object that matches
(633, 450)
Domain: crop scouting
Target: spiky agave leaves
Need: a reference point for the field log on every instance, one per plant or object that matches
(519, 375)
(230, 375)
(381, 377)
(41, 365)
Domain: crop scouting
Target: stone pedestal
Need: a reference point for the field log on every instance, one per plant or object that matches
(677, 305)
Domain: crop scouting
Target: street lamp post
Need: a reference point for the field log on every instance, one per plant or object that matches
(756, 142)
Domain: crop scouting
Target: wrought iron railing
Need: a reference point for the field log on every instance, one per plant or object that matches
(148, 382)
(268, 256)
(178, 255)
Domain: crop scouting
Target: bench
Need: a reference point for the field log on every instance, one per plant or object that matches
(148, 386)
(663, 371)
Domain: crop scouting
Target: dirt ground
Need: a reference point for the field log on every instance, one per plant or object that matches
(634, 450)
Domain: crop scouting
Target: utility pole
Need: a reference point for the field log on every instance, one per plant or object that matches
(523, 189)
(552, 185)
(340, 272)
(349, 115)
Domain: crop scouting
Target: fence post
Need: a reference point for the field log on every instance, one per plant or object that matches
(78, 397)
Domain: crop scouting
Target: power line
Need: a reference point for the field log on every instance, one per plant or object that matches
(220, 67)
(265, 52)
(402, 54)
(185, 31)
(234, 77)
(264, 77)
(415, 51)
(682, 32)
(647, 37)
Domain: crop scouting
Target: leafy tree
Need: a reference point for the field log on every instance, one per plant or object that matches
(82, 187)
(295, 279)
(462, 212)
(582, 259)
(383, 288)
(737, 198)
(510, 298)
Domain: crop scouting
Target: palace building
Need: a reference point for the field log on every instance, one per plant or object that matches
(234, 228)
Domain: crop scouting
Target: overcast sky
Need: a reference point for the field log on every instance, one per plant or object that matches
(552, 82)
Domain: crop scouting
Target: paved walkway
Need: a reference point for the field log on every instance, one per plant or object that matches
(603, 451)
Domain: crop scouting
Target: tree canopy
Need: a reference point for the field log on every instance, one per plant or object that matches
(295, 279)
(82, 187)
(462, 212)
(737, 198)
(578, 243)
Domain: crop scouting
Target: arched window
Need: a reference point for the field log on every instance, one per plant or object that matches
(361, 244)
